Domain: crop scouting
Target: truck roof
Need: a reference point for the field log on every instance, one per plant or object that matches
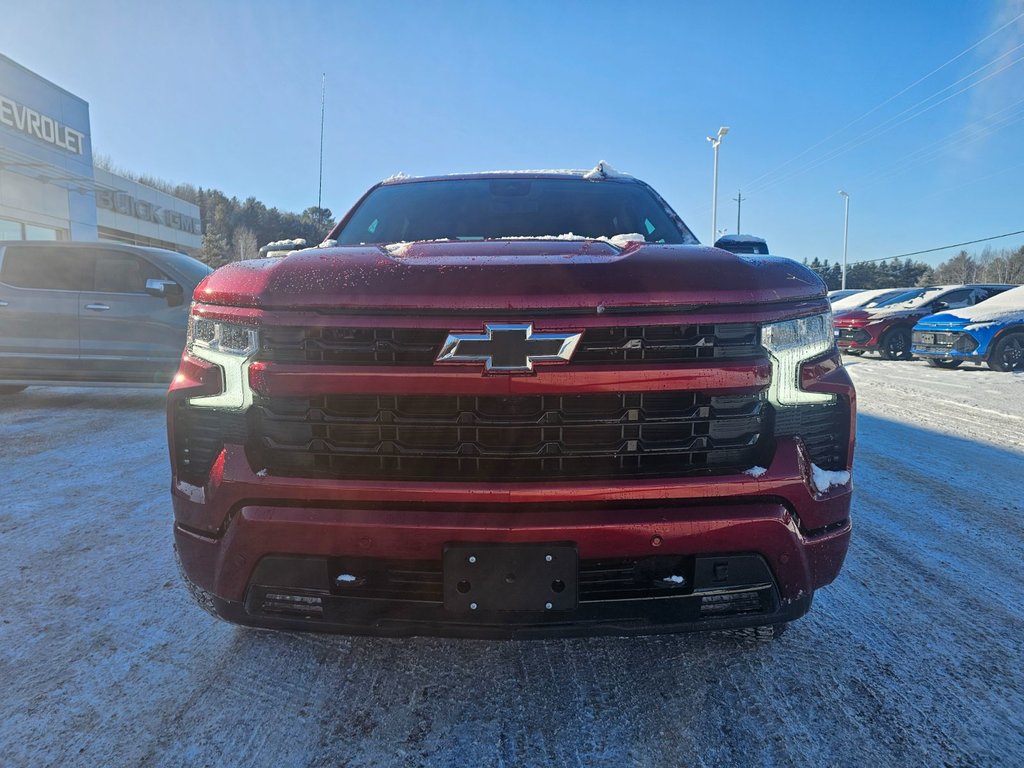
(600, 172)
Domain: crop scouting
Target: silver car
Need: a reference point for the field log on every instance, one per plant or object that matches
(89, 312)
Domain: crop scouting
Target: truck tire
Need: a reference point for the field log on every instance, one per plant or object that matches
(895, 345)
(936, 363)
(1008, 354)
(11, 389)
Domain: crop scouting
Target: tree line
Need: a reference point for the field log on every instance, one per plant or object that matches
(233, 229)
(991, 266)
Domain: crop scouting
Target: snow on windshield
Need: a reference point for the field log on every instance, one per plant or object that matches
(913, 299)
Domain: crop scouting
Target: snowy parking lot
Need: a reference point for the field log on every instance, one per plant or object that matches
(915, 656)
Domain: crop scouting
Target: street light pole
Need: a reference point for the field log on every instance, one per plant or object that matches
(846, 231)
(715, 141)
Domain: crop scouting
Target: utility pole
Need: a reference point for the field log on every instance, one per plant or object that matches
(739, 208)
(320, 188)
(715, 141)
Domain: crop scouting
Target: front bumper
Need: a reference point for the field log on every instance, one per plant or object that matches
(801, 534)
(859, 337)
(950, 343)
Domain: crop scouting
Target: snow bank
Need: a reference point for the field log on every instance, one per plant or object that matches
(824, 479)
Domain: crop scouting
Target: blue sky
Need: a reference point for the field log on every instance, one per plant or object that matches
(227, 95)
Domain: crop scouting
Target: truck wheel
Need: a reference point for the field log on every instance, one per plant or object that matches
(936, 363)
(762, 634)
(11, 389)
(203, 598)
(896, 344)
(1008, 354)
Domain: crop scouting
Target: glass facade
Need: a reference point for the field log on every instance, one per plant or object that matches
(49, 189)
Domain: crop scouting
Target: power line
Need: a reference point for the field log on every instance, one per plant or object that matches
(940, 248)
(888, 125)
(874, 109)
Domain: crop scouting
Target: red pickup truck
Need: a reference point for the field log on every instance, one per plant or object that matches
(511, 405)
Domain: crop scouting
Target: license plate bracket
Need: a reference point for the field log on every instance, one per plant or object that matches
(510, 577)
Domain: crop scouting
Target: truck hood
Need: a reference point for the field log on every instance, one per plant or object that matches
(508, 275)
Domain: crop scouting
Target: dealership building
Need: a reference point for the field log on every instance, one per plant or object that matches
(49, 188)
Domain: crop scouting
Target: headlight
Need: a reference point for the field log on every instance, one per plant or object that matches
(231, 347)
(789, 344)
(215, 336)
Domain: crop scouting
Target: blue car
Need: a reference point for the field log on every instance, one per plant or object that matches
(989, 332)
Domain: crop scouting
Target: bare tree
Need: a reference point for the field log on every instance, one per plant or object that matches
(246, 245)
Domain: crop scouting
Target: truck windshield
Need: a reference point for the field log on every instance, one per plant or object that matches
(495, 208)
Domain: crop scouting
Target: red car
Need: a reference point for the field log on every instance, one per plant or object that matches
(886, 327)
(511, 404)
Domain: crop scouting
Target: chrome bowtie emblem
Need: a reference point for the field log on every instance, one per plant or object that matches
(508, 348)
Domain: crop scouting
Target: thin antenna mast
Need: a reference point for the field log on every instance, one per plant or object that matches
(320, 189)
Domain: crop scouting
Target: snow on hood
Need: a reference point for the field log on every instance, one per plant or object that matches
(483, 275)
(619, 241)
(1008, 305)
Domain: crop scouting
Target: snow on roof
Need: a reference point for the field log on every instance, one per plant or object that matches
(602, 170)
(286, 243)
(1003, 306)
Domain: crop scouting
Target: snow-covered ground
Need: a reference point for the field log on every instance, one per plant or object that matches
(914, 656)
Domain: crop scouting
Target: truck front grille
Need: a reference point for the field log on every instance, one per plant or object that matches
(470, 438)
(418, 346)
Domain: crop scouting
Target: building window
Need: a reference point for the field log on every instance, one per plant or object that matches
(10, 230)
(34, 232)
(15, 230)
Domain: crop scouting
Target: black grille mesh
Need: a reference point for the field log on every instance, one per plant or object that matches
(412, 346)
(542, 437)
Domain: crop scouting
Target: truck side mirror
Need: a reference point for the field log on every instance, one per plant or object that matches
(167, 289)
